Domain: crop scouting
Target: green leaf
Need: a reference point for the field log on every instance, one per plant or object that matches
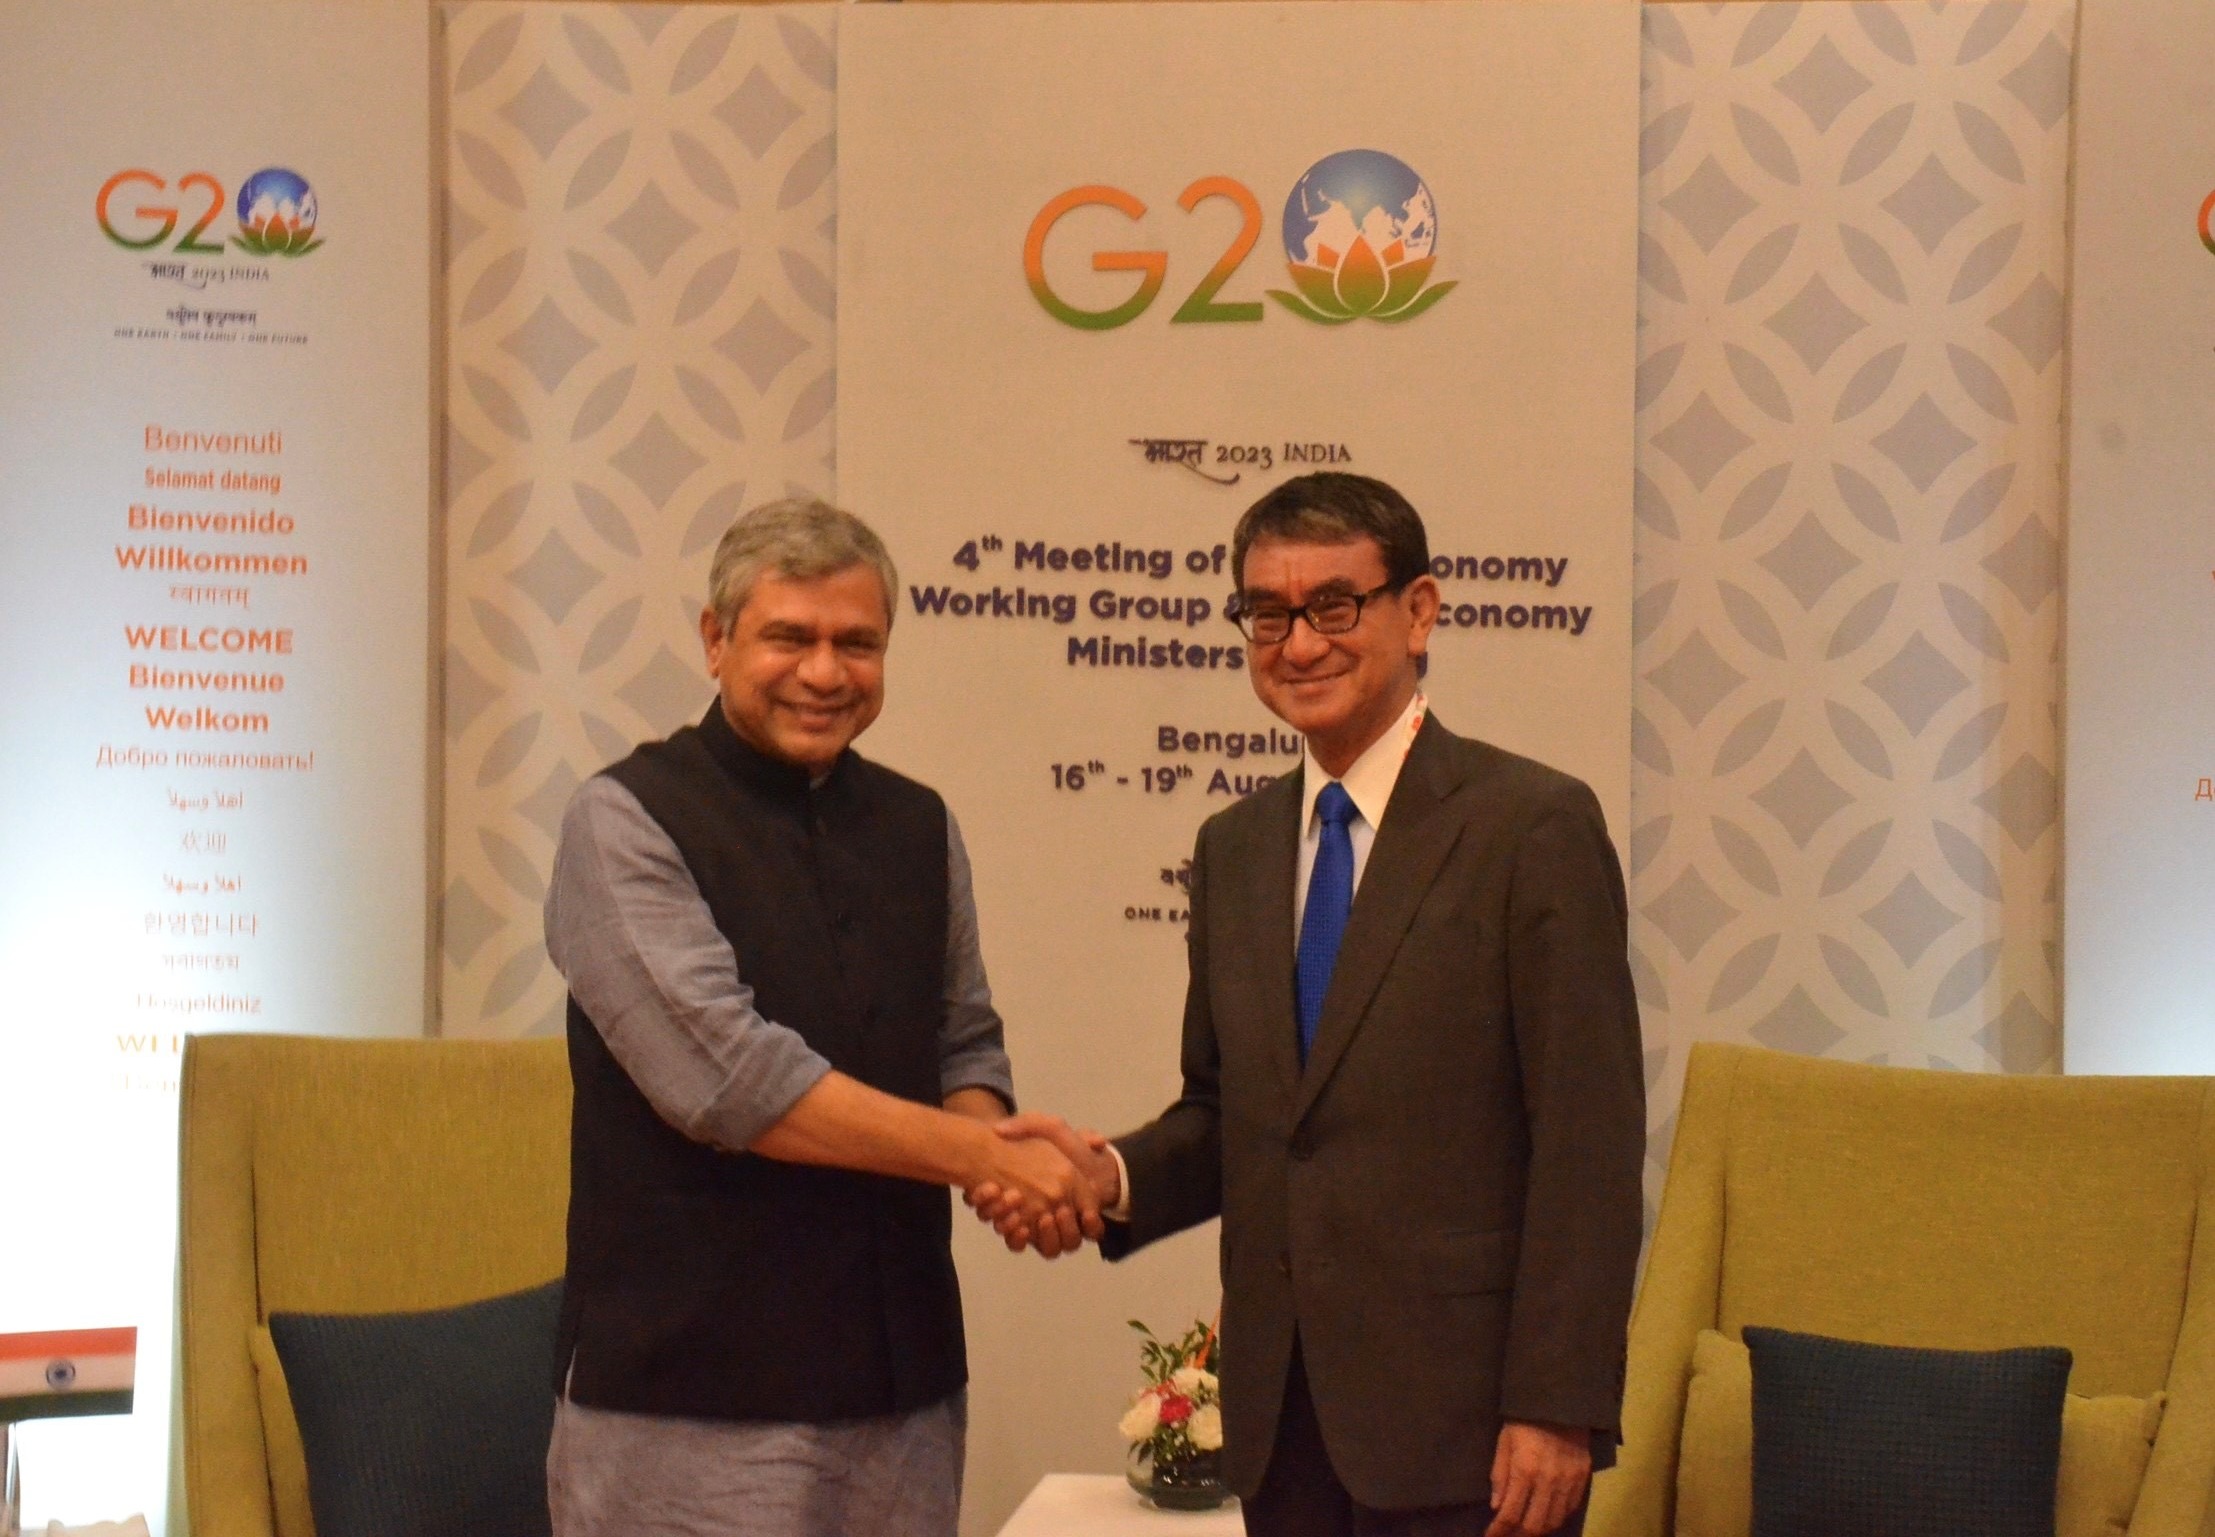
(1405, 282)
(1305, 311)
(1419, 303)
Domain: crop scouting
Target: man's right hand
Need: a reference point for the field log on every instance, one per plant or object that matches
(1085, 1151)
(1032, 1183)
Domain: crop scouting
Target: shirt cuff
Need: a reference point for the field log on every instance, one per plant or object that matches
(1000, 1087)
(759, 1093)
(1121, 1210)
(980, 1067)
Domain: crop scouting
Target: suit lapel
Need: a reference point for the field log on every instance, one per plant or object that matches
(1275, 854)
(1418, 833)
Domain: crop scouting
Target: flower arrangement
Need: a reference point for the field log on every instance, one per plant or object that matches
(1175, 1423)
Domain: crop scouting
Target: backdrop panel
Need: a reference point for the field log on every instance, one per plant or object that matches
(639, 278)
(1850, 388)
(2141, 779)
(1362, 262)
(214, 622)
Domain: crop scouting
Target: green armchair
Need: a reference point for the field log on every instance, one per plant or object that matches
(1951, 1210)
(344, 1176)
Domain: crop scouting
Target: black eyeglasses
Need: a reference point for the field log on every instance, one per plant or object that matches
(1270, 624)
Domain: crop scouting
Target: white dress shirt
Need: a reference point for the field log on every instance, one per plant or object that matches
(1369, 781)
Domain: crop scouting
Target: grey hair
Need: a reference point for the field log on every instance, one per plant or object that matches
(799, 538)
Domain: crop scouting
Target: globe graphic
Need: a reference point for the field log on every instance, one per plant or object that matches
(276, 197)
(1364, 193)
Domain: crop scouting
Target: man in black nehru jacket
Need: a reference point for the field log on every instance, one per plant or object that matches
(783, 1047)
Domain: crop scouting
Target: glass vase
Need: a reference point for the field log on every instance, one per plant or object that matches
(1182, 1483)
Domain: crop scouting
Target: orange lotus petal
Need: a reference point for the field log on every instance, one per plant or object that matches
(1361, 280)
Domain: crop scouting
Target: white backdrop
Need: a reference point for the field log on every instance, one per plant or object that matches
(1002, 449)
(214, 615)
(2141, 734)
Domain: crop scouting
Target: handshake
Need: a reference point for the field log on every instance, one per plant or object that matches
(1044, 1185)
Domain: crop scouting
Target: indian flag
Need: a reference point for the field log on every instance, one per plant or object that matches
(67, 1371)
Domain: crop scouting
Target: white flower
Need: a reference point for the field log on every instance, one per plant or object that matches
(1192, 1381)
(1138, 1424)
(1206, 1428)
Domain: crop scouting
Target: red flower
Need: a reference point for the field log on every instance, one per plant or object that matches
(1175, 1408)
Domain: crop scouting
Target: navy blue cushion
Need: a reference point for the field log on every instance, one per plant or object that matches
(1854, 1440)
(426, 1424)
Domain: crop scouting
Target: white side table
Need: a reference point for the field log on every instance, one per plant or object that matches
(1103, 1505)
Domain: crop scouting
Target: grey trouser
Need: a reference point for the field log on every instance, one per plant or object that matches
(611, 1474)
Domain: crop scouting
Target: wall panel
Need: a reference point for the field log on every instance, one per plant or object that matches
(639, 310)
(1849, 517)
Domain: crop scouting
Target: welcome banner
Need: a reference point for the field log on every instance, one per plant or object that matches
(1106, 274)
(214, 428)
(2139, 792)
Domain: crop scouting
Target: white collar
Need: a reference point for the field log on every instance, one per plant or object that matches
(1370, 777)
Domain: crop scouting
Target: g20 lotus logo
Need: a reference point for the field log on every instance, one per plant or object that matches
(276, 214)
(1360, 235)
(139, 210)
(2207, 223)
(1359, 228)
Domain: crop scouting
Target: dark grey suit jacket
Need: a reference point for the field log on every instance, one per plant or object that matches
(1444, 1206)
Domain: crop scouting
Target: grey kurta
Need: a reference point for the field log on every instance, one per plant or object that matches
(630, 933)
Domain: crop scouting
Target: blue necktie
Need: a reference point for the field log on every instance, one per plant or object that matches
(1330, 899)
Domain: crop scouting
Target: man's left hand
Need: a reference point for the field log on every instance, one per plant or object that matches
(1539, 1474)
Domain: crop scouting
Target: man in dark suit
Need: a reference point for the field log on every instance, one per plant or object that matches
(1412, 1076)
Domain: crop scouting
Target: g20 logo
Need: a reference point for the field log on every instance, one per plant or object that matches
(1360, 235)
(2207, 223)
(276, 208)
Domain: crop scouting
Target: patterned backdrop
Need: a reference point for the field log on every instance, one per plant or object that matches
(1847, 514)
(1844, 836)
(639, 305)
